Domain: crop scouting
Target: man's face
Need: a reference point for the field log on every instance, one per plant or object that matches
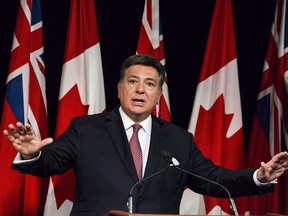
(139, 92)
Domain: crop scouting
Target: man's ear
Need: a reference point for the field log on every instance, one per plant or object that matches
(160, 94)
(118, 88)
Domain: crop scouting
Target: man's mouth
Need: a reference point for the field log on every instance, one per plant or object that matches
(138, 101)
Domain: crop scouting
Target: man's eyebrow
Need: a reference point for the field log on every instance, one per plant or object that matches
(148, 78)
(132, 76)
(152, 79)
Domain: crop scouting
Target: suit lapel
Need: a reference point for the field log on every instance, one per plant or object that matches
(157, 144)
(117, 132)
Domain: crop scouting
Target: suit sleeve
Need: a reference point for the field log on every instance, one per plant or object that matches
(237, 182)
(57, 157)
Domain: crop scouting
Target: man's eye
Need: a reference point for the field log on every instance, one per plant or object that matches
(150, 85)
(132, 81)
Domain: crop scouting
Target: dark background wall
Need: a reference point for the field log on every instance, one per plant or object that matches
(185, 26)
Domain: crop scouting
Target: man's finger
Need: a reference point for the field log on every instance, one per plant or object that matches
(47, 141)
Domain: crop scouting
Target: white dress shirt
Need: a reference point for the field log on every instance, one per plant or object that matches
(144, 134)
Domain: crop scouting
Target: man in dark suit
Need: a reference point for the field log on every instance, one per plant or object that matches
(97, 148)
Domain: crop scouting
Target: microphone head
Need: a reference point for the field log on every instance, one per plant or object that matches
(167, 156)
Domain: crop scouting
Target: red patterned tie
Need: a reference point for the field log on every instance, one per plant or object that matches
(136, 150)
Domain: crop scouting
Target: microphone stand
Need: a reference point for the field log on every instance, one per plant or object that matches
(168, 157)
(231, 200)
(130, 196)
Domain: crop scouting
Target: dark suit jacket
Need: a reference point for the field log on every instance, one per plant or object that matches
(96, 147)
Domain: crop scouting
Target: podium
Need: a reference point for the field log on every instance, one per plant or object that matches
(122, 213)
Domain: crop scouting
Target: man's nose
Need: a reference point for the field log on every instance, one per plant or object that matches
(140, 87)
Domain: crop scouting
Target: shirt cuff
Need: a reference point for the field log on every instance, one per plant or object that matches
(19, 160)
(258, 183)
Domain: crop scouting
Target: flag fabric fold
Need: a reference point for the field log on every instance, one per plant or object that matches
(81, 91)
(25, 101)
(269, 134)
(151, 43)
(216, 119)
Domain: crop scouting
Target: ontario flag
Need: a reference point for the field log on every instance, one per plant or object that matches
(216, 119)
(269, 130)
(150, 42)
(25, 101)
(81, 91)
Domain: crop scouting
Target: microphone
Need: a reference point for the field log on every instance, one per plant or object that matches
(130, 196)
(169, 158)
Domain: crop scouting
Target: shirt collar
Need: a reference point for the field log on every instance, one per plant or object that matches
(146, 124)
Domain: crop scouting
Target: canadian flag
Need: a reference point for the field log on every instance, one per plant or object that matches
(151, 43)
(81, 91)
(216, 119)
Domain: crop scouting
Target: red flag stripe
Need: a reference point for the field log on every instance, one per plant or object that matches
(81, 91)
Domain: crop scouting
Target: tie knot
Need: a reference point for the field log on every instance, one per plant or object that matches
(136, 128)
